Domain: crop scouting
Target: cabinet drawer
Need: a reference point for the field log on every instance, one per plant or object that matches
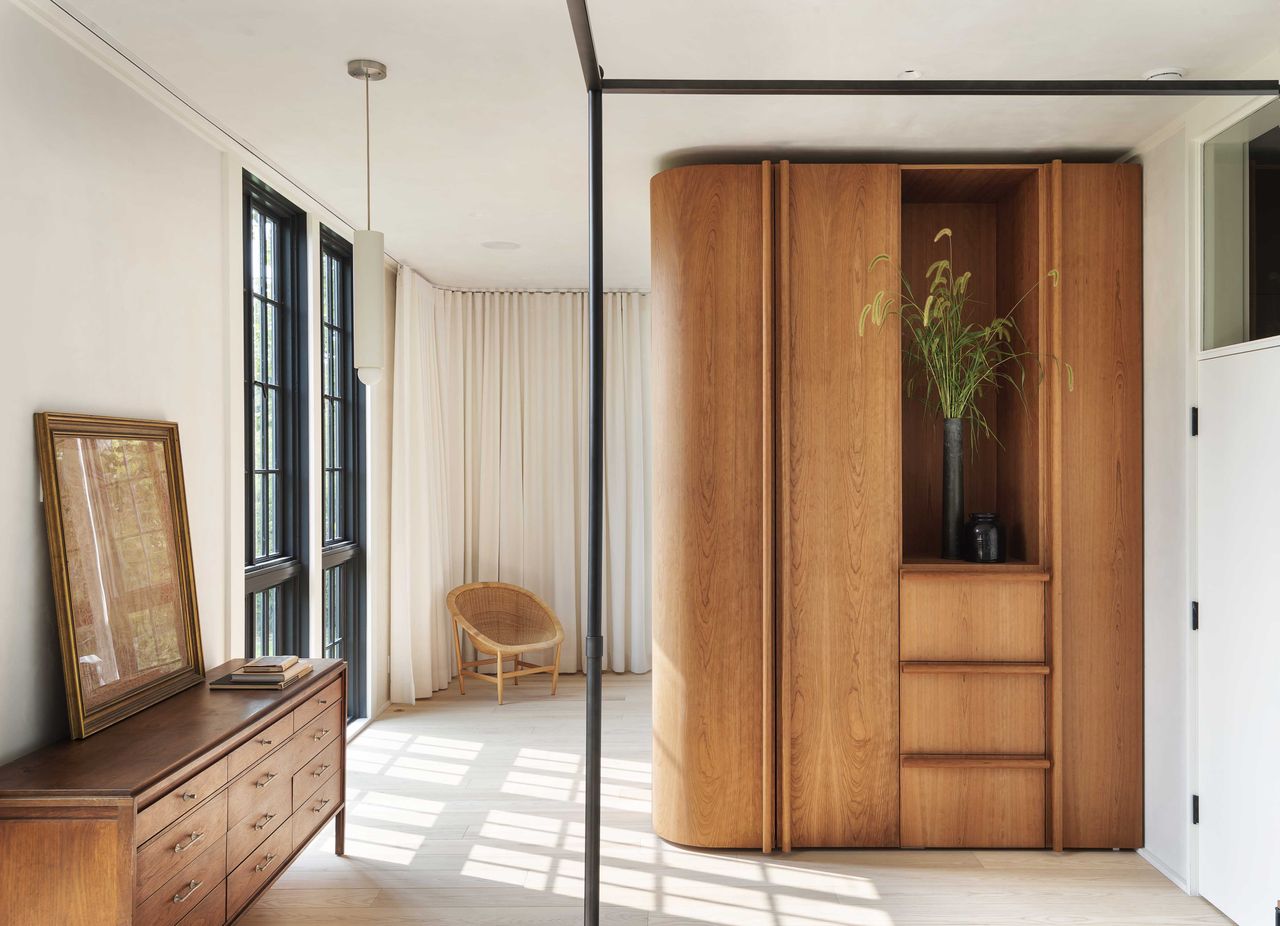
(974, 808)
(248, 792)
(173, 848)
(255, 871)
(316, 735)
(270, 811)
(212, 911)
(316, 810)
(330, 695)
(973, 713)
(262, 743)
(182, 893)
(187, 796)
(308, 779)
(975, 619)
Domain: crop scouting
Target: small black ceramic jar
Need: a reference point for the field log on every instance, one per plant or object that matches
(984, 538)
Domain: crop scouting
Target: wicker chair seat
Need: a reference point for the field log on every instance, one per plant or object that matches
(500, 632)
(503, 621)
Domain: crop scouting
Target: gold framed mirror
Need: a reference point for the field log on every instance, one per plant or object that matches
(120, 554)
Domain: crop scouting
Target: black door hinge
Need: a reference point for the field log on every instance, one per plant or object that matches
(1195, 420)
(1195, 615)
(1195, 808)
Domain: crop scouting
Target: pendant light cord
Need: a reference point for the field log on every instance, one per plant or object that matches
(368, 172)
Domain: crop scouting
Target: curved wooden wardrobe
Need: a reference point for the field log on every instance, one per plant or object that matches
(821, 678)
(712, 507)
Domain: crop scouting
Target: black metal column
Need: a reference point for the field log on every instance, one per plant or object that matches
(595, 537)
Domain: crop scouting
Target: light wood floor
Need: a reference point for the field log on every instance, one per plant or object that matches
(461, 812)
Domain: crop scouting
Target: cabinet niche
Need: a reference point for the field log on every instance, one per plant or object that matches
(996, 215)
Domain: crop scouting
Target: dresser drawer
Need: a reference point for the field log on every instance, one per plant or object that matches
(260, 744)
(269, 813)
(316, 735)
(973, 808)
(974, 619)
(172, 849)
(182, 893)
(187, 796)
(248, 792)
(328, 696)
(972, 713)
(212, 911)
(308, 779)
(255, 871)
(316, 810)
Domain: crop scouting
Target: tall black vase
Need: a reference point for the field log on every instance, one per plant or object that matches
(952, 486)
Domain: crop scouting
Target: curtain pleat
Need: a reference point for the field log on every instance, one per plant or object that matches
(489, 468)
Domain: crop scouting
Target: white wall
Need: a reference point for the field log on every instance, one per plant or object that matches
(1171, 319)
(111, 253)
(121, 256)
(1166, 343)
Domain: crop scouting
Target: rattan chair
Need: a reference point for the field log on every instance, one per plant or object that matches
(504, 622)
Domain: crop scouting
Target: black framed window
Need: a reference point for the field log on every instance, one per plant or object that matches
(275, 356)
(342, 441)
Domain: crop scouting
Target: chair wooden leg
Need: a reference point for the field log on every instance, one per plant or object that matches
(515, 667)
(499, 679)
(457, 649)
(555, 673)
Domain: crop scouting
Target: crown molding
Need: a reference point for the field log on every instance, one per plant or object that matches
(96, 44)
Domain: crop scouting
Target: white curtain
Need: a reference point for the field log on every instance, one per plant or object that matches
(489, 468)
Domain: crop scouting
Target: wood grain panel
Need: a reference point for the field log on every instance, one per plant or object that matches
(1098, 566)
(173, 848)
(962, 183)
(709, 519)
(212, 911)
(182, 893)
(979, 619)
(66, 863)
(973, 807)
(186, 797)
(973, 248)
(262, 743)
(840, 517)
(1021, 481)
(255, 872)
(973, 713)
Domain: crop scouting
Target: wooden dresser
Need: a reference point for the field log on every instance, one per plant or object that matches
(184, 813)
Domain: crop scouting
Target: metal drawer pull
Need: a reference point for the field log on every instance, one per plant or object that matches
(320, 734)
(321, 806)
(265, 742)
(195, 838)
(322, 700)
(271, 776)
(266, 861)
(189, 795)
(262, 824)
(191, 889)
(321, 770)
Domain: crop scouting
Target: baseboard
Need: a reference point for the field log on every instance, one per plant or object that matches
(1158, 865)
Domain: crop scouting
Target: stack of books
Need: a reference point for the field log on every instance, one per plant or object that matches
(265, 672)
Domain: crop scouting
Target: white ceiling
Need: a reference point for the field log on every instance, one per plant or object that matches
(479, 132)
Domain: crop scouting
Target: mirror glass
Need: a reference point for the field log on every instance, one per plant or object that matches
(122, 563)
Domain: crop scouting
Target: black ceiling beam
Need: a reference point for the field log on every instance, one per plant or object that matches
(591, 72)
(940, 87)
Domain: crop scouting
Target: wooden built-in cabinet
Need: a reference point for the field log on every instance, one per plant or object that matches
(821, 677)
(182, 814)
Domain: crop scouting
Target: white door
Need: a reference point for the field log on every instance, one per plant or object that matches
(1239, 638)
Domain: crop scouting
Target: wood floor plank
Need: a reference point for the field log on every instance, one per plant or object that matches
(492, 835)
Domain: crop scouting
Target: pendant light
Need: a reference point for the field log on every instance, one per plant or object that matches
(370, 281)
